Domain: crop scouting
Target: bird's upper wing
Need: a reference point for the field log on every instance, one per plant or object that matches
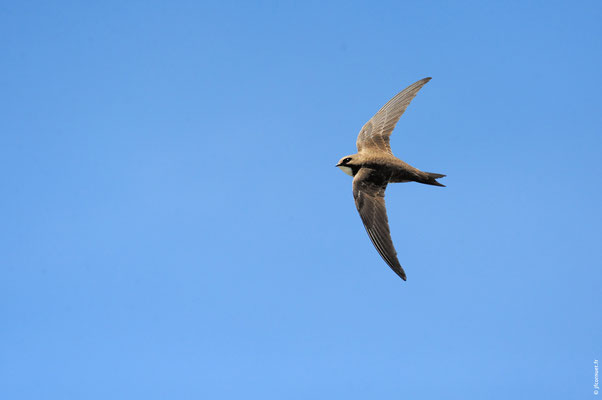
(374, 135)
(369, 193)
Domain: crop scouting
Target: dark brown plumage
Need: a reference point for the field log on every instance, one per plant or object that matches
(375, 166)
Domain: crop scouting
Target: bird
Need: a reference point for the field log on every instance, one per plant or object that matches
(374, 166)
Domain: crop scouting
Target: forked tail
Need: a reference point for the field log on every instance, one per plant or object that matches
(431, 179)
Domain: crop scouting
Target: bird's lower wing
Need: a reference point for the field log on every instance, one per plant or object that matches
(369, 193)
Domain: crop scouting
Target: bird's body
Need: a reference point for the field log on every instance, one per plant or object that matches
(375, 166)
(391, 167)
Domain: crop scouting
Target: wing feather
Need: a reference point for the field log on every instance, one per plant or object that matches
(375, 134)
(369, 193)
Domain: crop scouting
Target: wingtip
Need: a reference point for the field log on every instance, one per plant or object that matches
(423, 81)
(402, 274)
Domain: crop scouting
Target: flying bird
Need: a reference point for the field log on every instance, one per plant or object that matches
(374, 167)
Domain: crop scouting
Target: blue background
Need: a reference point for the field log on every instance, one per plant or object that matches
(173, 226)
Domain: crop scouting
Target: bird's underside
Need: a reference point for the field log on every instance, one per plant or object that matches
(375, 166)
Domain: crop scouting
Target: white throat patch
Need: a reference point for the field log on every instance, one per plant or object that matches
(346, 170)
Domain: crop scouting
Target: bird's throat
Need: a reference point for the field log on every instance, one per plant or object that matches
(346, 170)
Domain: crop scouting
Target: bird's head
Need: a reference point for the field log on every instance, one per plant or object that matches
(349, 164)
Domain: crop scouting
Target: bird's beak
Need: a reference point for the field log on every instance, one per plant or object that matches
(338, 165)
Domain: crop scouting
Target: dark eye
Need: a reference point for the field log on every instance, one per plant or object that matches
(347, 160)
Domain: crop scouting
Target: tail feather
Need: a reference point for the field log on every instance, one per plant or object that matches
(431, 179)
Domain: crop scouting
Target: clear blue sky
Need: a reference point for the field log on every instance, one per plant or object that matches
(173, 226)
